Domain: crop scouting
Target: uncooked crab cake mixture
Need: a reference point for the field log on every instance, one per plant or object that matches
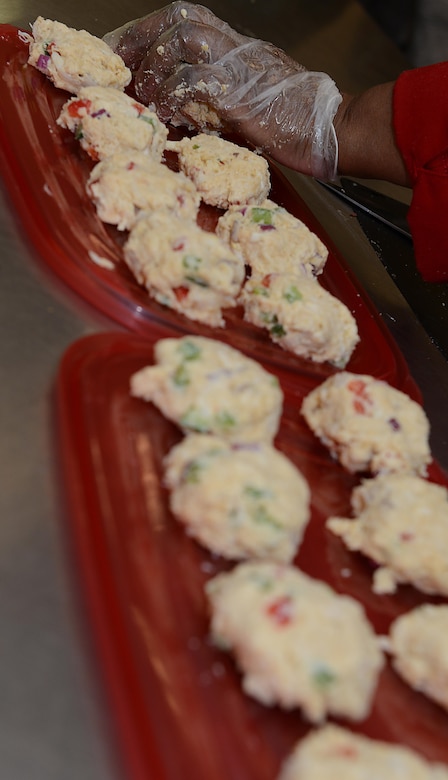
(128, 183)
(301, 316)
(206, 386)
(334, 753)
(239, 501)
(368, 425)
(105, 121)
(296, 641)
(184, 267)
(271, 240)
(223, 172)
(73, 59)
(418, 643)
(401, 522)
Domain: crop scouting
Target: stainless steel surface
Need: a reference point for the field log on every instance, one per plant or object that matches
(54, 723)
(390, 211)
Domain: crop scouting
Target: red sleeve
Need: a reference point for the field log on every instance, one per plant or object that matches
(421, 130)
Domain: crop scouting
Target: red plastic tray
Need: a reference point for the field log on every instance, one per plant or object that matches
(177, 700)
(46, 170)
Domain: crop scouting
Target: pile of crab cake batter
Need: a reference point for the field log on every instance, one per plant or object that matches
(418, 644)
(72, 59)
(400, 522)
(184, 267)
(271, 240)
(368, 425)
(301, 316)
(105, 121)
(206, 386)
(128, 183)
(333, 753)
(244, 501)
(297, 642)
(223, 172)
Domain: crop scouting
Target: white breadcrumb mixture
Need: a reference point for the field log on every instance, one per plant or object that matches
(209, 387)
(301, 316)
(418, 643)
(401, 522)
(106, 121)
(129, 183)
(239, 501)
(368, 425)
(334, 753)
(73, 59)
(184, 267)
(297, 642)
(223, 172)
(271, 240)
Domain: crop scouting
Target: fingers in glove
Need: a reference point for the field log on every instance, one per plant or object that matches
(200, 83)
(189, 42)
(133, 41)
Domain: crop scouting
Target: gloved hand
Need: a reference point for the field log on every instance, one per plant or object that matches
(183, 57)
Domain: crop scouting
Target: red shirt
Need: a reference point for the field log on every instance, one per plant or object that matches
(421, 130)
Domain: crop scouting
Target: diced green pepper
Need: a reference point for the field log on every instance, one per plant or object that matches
(192, 471)
(149, 120)
(225, 420)
(323, 677)
(195, 421)
(292, 294)
(277, 330)
(258, 290)
(192, 262)
(261, 216)
(181, 377)
(189, 350)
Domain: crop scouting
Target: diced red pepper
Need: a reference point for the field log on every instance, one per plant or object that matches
(358, 387)
(178, 245)
(181, 292)
(130, 166)
(92, 152)
(281, 610)
(139, 108)
(75, 107)
(266, 281)
(406, 536)
(346, 751)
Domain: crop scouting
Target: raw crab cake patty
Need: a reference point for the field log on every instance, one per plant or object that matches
(223, 172)
(368, 425)
(206, 386)
(334, 753)
(184, 267)
(301, 316)
(418, 643)
(296, 641)
(238, 501)
(72, 59)
(127, 183)
(106, 121)
(402, 524)
(271, 240)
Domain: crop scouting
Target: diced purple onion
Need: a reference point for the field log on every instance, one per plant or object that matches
(42, 62)
(100, 112)
(268, 227)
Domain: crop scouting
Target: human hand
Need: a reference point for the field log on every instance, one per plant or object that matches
(183, 57)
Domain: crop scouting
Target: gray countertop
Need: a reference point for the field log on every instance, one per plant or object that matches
(53, 720)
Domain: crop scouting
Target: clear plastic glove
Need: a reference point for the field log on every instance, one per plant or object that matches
(190, 64)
